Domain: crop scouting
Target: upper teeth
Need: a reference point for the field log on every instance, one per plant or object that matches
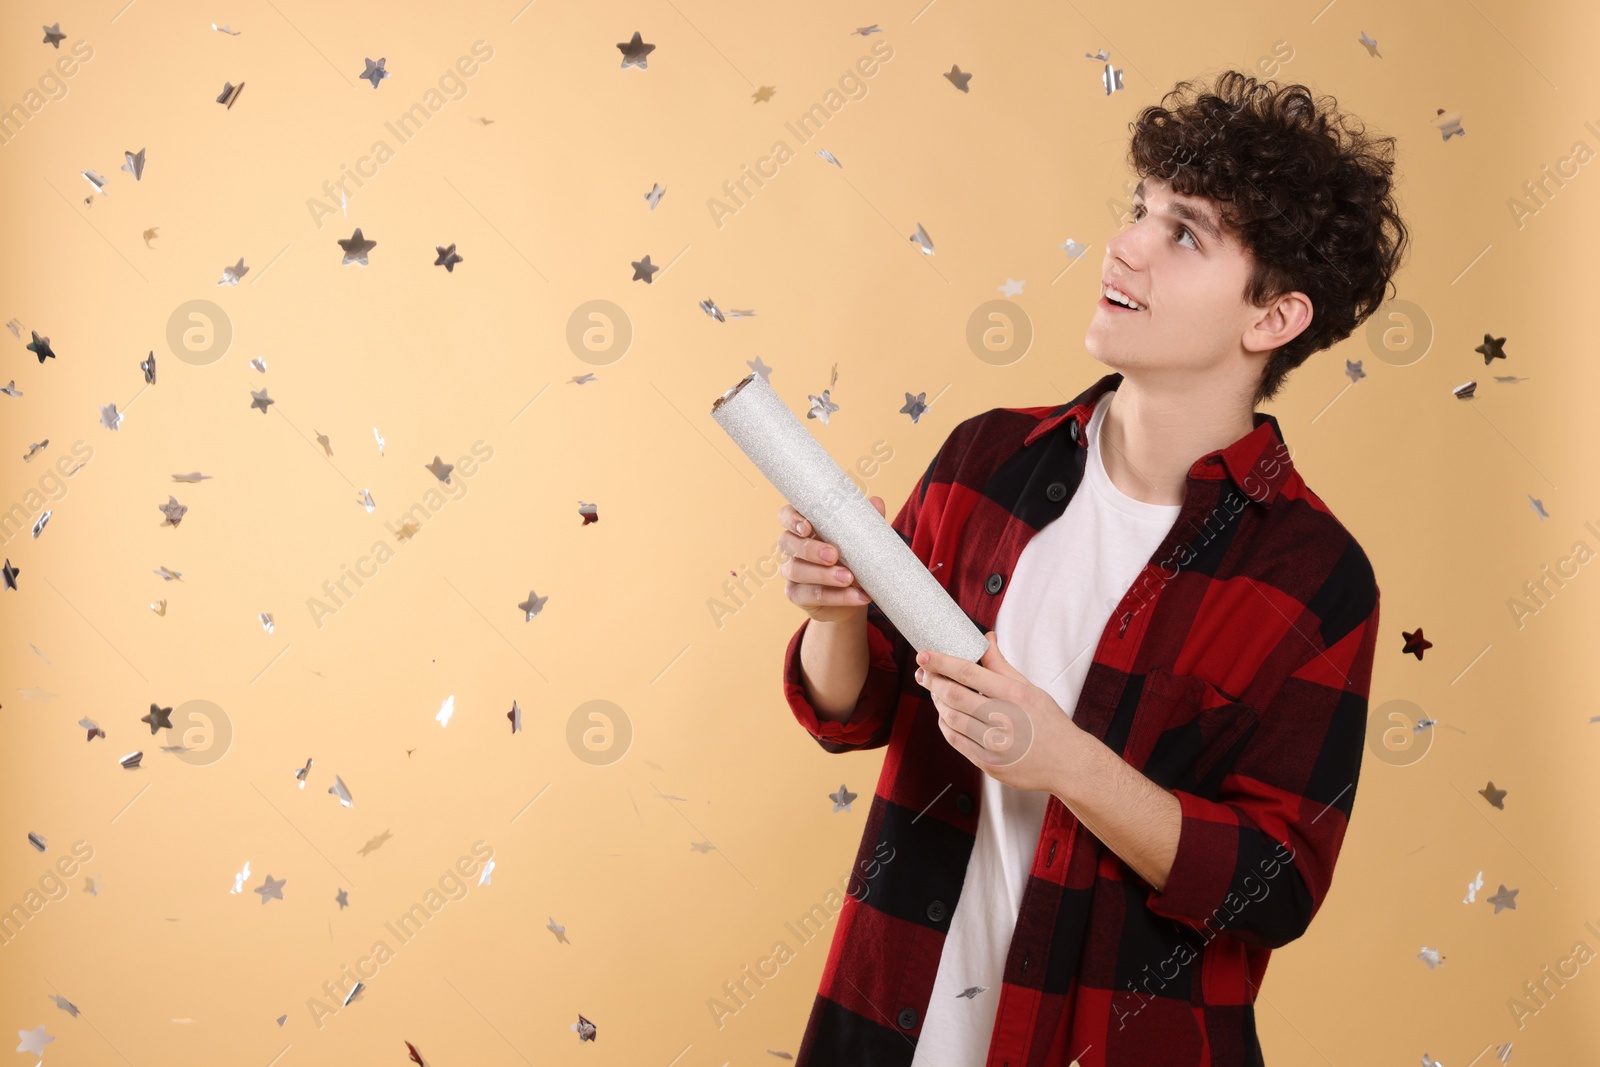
(1118, 296)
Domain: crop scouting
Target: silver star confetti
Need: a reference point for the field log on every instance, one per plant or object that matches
(532, 606)
(356, 248)
(440, 469)
(635, 52)
(231, 275)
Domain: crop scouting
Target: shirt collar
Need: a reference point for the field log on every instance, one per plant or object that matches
(1259, 462)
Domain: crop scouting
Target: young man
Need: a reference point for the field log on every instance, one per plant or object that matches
(1181, 640)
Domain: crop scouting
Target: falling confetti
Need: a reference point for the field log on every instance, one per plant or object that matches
(374, 72)
(635, 52)
(158, 718)
(1416, 644)
(532, 606)
(447, 258)
(340, 790)
(923, 240)
(356, 248)
(1491, 349)
(1506, 898)
(40, 346)
(1448, 124)
(441, 470)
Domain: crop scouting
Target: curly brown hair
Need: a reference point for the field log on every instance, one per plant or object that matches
(1303, 187)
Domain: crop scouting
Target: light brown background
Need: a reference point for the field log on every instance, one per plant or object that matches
(546, 205)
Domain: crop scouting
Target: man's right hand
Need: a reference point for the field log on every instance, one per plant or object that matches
(814, 578)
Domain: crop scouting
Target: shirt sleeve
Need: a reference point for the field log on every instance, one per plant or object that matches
(888, 654)
(1257, 862)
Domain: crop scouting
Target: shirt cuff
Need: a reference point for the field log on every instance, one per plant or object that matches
(879, 693)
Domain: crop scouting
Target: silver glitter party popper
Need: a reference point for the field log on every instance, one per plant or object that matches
(808, 478)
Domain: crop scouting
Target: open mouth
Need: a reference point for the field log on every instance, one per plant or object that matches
(1110, 305)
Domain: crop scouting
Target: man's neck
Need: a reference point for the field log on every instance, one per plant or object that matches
(1150, 439)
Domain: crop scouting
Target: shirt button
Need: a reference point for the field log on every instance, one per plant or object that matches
(994, 583)
(908, 1018)
(964, 803)
(1057, 490)
(1024, 965)
(936, 911)
(1072, 429)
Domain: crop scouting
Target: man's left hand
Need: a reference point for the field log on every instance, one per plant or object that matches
(1010, 728)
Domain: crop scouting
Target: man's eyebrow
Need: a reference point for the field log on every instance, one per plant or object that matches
(1177, 207)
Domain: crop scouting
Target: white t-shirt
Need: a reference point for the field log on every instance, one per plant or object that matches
(1068, 581)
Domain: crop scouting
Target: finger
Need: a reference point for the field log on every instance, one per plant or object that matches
(808, 548)
(798, 570)
(959, 723)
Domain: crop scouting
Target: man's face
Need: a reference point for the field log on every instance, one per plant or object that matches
(1175, 261)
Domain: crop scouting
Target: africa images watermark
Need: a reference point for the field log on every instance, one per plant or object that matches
(817, 116)
(1226, 510)
(452, 85)
(1539, 592)
(1581, 954)
(1255, 890)
(52, 888)
(811, 925)
(52, 88)
(766, 567)
(51, 488)
(453, 885)
(338, 591)
(1539, 193)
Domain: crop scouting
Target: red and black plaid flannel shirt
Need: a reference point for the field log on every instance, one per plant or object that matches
(1234, 673)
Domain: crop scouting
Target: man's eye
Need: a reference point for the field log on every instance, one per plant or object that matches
(1178, 232)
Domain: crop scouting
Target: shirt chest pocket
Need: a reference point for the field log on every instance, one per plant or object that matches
(1186, 733)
